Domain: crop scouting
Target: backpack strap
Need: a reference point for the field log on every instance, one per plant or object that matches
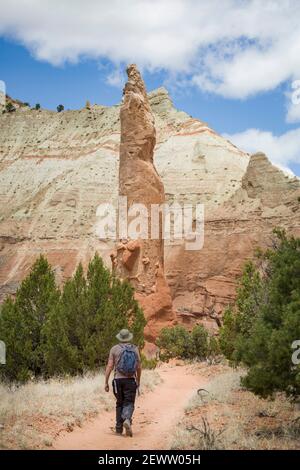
(125, 346)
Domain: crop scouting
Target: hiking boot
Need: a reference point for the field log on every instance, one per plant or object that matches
(127, 426)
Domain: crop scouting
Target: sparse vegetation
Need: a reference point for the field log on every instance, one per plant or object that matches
(37, 106)
(148, 363)
(10, 108)
(227, 416)
(32, 415)
(208, 437)
(60, 108)
(201, 437)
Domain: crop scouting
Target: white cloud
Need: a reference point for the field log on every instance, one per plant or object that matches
(282, 150)
(293, 113)
(293, 100)
(116, 78)
(235, 48)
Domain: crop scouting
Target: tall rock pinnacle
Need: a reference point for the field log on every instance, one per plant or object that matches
(141, 260)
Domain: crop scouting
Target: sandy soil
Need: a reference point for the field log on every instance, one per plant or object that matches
(156, 414)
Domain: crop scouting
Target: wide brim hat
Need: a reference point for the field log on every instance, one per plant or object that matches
(124, 336)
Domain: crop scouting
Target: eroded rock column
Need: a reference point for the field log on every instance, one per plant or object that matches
(141, 260)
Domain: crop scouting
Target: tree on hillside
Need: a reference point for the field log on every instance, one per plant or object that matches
(10, 107)
(260, 330)
(22, 322)
(60, 108)
(37, 106)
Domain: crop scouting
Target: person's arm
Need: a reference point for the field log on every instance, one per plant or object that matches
(138, 369)
(138, 374)
(109, 368)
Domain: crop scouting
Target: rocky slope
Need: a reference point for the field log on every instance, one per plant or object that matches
(56, 168)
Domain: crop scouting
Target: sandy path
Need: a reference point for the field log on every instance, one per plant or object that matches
(156, 413)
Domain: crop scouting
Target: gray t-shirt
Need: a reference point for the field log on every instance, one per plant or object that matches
(114, 356)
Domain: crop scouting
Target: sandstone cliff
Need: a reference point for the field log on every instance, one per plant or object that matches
(56, 168)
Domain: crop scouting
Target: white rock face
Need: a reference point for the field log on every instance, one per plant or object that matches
(2, 101)
(56, 168)
(2, 96)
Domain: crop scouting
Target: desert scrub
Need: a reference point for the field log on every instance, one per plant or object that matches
(235, 418)
(56, 403)
(177, 342)
(33, 413)
(219, 389)
(202, 437)
(150, 379)
(148, 363)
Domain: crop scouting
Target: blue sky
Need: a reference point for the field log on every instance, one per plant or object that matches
(36, 81)
(240, 83)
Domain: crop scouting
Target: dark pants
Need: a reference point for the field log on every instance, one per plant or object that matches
(125, 392)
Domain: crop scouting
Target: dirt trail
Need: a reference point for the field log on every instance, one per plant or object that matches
(156, 413)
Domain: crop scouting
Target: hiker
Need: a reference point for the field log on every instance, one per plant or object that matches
(125, 359)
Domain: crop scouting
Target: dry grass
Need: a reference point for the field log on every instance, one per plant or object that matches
(202, 437)
(226, 416)
(219, 389)
(33, 414)
(150, 378)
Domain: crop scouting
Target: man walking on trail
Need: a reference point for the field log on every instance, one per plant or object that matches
(125, 359)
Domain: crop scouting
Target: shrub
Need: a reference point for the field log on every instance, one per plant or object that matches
(174, 342)
(214, 349)
(177, 342)
(148, 363)
(60, 108)
(10, 107)
(199, 342)
(37, 106)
